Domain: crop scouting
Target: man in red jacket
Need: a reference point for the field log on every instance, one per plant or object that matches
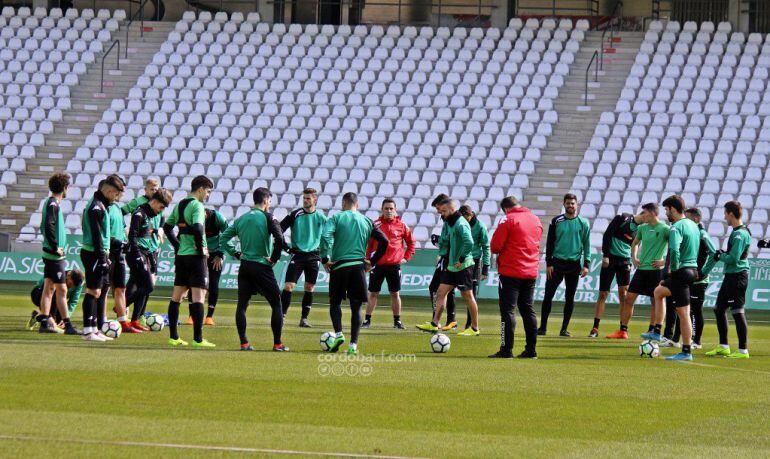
(516, 242)
(389, 266)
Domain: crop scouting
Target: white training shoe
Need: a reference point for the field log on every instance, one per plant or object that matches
(665, 342)
(94, 337)
(696, 346)
(104, 337)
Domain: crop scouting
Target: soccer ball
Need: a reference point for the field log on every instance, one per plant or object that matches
(156, 322)
(649, 349)
(327, 340)
(440, 343)
(112, 328)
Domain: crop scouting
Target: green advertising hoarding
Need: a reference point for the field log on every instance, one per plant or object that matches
(416, 276)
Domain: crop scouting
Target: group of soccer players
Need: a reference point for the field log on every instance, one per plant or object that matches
(672, 263)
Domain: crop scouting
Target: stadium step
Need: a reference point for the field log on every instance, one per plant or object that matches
(88, 104)
(559, 161)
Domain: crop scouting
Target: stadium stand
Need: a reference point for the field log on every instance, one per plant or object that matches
(692, 120)
(382, 111)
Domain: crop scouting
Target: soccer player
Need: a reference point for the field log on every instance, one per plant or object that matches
(649, 261)
(457, 243)
(440, 267)
(569, 242)
(616, 262)
(95, 254)
(400, 251)
(214, 226)
(190, 266)
(74, 282)
(481, 253)
(732, 294)
(151, 186)
(118, 270)
(306, 226)
(142, 247)
(706, 254)
(54, 266)
(516, 242)
(261, 245)
(683, 244)
(343, 254)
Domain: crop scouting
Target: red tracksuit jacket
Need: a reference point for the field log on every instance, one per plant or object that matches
(397, 233)
(516, 242)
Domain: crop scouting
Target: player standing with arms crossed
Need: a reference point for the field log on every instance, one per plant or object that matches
(569, 241)
(306, 226)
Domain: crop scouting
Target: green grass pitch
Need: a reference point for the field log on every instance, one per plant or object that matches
(136, 397)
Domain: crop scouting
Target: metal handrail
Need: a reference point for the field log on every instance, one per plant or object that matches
(116, 42)
(131, 20)
(617, 13)
(588, 69)
(474, 4)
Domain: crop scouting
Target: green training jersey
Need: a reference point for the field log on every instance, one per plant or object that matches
(617, 238)
(96, 225)
(133, 204)
(480, 235)
(143, 229)
(260, 236)
(54, 232)
(457, 242)
(569, 239)
(653, 240)
(706, 253)
(117, 223)
(194, 214)
(215, 225)
(736, 258)
(683, 245)
(345, 238)
(306, 229)
(73, 294)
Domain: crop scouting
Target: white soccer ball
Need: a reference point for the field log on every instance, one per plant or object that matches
(156, 322)
(112, 328)
(649, 349)
(327, 341)
(440, 343)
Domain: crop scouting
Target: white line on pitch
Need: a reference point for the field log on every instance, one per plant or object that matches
(235, 449)
(707, 365)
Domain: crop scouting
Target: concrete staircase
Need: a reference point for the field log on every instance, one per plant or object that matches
(88, 104)
(572, 134)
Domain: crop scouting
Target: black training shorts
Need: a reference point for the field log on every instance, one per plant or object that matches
(349, 283)
(55, 270)
(463, 279)
(619, 268)
(679, 284)
(191, 271)
(96, 277)
(391, 273)
(645, 281)
(118, 270)
(733, 291)
(303, 263)
(257, 279)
